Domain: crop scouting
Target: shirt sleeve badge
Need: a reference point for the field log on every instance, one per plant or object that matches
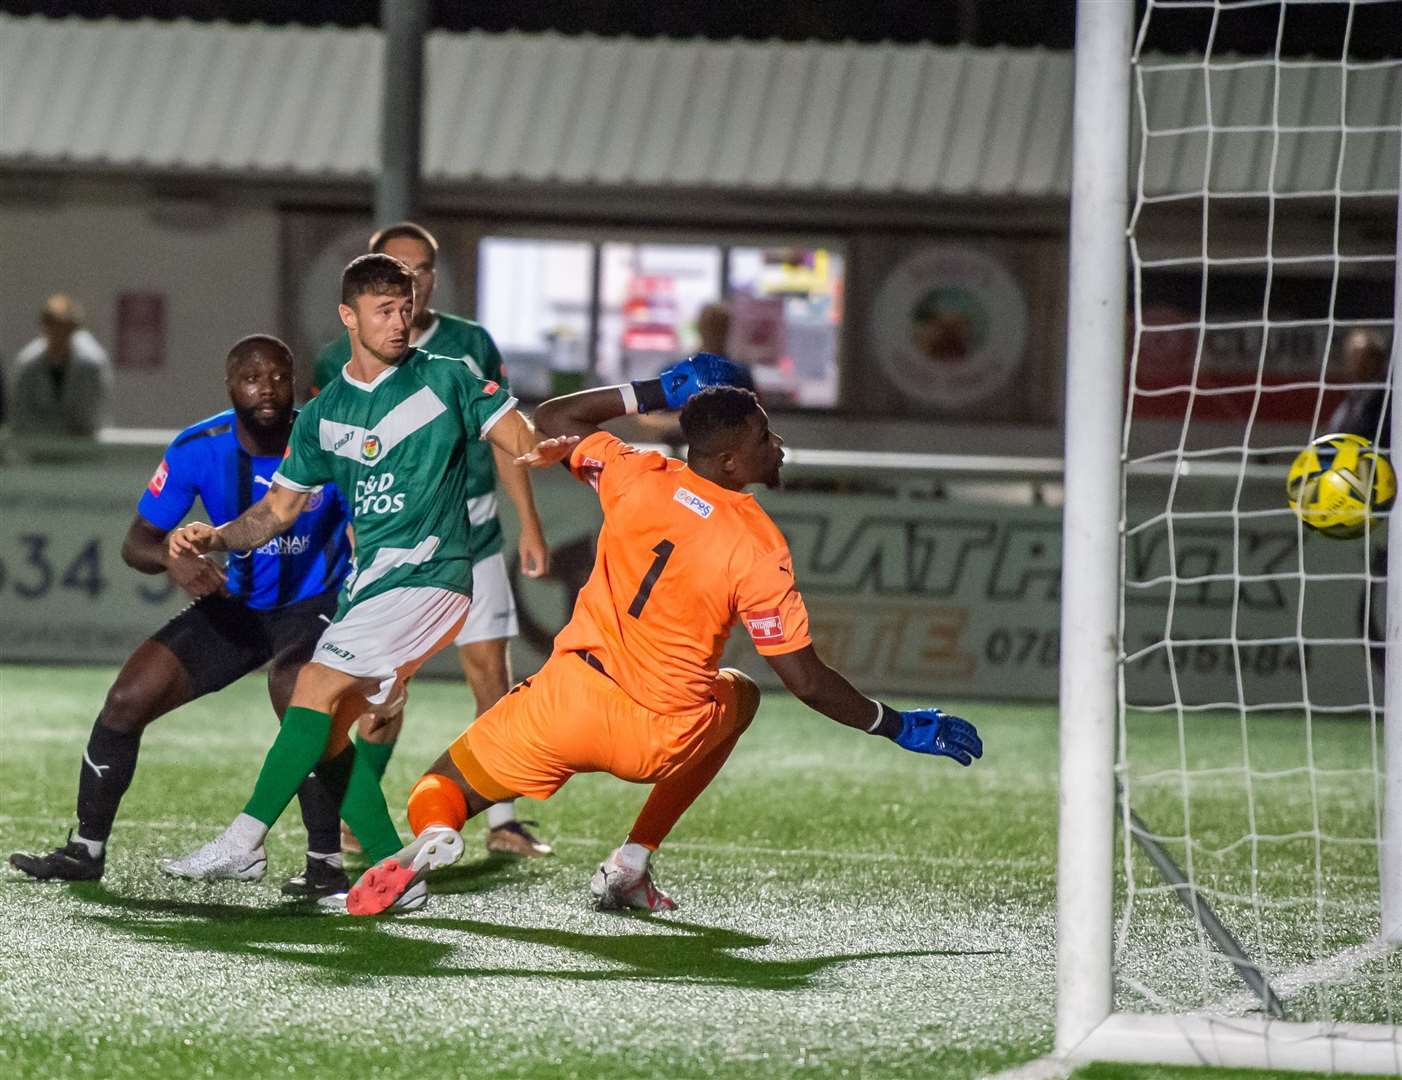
(765, 627)
(157, 483)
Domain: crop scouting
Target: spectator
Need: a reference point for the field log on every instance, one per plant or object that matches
(713, 328)
(1365, 411)
(62, 380)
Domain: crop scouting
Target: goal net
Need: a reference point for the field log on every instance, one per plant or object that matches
(1250, 764)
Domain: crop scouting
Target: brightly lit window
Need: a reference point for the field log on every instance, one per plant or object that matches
(775, 308)
(785, 316)
(535, 298)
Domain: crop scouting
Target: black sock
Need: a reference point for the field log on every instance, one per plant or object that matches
(320, 797)
(321, 814)
(108, 765)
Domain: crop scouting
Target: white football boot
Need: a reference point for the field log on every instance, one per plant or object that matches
(397, 884)
(220, 860)
(621, 888)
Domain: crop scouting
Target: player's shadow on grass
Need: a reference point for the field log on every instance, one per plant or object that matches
(696, 954)
(342, 949)
(346, 950)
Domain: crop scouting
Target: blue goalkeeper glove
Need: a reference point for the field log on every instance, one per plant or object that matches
(930, 731)
(687, 378)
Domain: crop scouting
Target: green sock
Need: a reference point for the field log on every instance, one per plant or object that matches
(364, 807)
(377, 755)
(300, 742)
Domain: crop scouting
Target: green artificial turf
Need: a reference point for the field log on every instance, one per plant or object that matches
(846, 909)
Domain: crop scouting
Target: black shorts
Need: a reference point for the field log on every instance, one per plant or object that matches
(218, 640)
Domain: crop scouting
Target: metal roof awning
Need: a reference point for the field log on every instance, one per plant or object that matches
(873, 121)
(539, 108)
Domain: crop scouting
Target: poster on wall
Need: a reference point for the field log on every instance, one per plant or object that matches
(757, 330)
(141, 330)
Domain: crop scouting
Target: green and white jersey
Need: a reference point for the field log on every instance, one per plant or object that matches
(467, 341)
(399, 448)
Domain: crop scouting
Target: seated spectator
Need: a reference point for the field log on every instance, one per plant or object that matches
(62, 381)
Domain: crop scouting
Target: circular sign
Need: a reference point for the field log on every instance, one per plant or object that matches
(950, 326)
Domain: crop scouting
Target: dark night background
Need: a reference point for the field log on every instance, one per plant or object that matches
(1310, 29)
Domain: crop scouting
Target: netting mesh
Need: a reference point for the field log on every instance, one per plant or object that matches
(1263, 242)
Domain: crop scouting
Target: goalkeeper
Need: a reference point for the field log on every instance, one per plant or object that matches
(632, 687)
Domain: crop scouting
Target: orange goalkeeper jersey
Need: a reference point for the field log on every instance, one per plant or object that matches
(680, 559)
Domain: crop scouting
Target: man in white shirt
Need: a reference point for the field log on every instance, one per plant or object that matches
(62, 381)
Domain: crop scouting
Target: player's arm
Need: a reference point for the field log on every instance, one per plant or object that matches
(583, 413)
(515, 437)
(516, 482)
(274, 513)
(925, 731)
(144, 549)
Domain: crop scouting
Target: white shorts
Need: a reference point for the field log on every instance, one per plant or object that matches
(388, 637)
(493, 612)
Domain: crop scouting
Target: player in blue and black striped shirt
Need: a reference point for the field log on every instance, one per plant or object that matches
(268, 606)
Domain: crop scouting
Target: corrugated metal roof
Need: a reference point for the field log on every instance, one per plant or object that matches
(183, 96)
(736, 116)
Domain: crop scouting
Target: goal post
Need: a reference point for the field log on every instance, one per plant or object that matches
(1090, 586)
(1220, 674)
(1391, 857)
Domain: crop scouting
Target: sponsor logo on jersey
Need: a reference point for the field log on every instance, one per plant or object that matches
(286, 545)
(372, 496)
(370, 448)
(765, 627)
(589, 470)
(336, 650)
(693, 502)
(157, 483)
(491, 388)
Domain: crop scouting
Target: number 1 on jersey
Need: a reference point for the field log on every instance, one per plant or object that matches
(663, 551)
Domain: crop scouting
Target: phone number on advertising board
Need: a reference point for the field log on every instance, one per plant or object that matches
(36, 571)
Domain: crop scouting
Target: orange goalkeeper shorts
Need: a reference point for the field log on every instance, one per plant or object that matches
(569, 718)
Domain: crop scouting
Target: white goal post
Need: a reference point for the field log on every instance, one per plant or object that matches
(1101, 1014)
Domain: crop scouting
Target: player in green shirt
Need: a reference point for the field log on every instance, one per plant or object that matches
(393, 434)
(491, 621)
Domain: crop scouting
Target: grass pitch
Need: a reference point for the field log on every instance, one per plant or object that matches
(847, 909)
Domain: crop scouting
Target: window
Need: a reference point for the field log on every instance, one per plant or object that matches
(568, 313)
(535, 298)
(650, 297)
(785, 315)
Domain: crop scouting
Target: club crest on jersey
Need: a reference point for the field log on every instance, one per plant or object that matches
(370, 448)
(157, 483)
(765, 627)
(314, 501)
(693, 502)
